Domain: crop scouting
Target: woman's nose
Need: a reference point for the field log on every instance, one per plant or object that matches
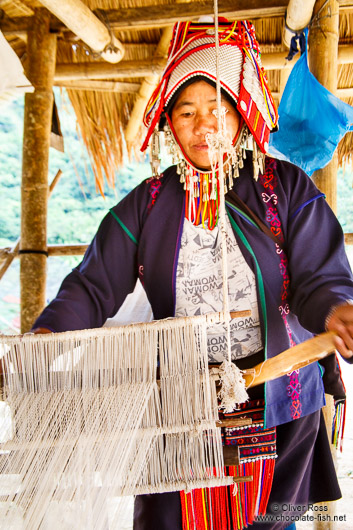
(205, 123)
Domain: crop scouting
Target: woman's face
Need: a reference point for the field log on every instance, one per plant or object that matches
(193, 117)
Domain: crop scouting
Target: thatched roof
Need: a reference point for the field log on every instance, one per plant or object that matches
(104, 110)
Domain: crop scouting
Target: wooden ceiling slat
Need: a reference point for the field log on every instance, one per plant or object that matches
(160, 15)
(156, 16)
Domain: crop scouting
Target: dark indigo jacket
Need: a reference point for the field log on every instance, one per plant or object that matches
(141, 238)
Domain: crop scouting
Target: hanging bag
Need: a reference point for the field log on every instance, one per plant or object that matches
(312, 120)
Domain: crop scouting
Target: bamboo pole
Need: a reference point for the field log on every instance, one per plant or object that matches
(100, 86)
(34, 190)
(79, 18)
(100, 70)
(323, 60)
(341, 93)
(13, 253)
(67, 73)
(323, 55)
(80, 249)
(348, 239)
(147, 87)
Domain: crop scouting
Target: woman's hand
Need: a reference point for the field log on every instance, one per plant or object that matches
(41, 330)
(340, 320)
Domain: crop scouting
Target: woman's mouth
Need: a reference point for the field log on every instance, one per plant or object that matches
(200, 147)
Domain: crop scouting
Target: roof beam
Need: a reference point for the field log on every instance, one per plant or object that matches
(79, 18)
(153, 16)
(146, 17)
(100, 86)
(341, 93)
(100, 70)
(144, 68)
(277, 61)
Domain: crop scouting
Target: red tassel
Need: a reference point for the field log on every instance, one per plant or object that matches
(217, 508)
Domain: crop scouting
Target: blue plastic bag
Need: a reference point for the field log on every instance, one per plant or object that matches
(312, 121)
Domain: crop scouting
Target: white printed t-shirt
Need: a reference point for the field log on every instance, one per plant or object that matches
(199, 289)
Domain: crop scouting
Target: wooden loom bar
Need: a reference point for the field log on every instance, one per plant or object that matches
(111, 437)
(34, 188)
(293, 358)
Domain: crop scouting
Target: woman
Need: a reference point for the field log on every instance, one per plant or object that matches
(286, 263)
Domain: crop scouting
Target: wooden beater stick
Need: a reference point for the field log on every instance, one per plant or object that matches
(294, 358)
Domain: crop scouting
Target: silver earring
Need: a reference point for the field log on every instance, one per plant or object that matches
(258, 160)
(174, 150)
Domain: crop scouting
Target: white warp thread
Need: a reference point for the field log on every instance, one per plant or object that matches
(220, 143)
(92, 425)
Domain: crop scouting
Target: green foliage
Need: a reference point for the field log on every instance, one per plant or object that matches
(345, 198)
(75, 207)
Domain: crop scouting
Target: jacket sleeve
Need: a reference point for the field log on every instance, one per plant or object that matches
(96, 289)
(320, 273)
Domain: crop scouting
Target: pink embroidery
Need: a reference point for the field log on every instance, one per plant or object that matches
(154, 189)
(269, 182)
(272, 197)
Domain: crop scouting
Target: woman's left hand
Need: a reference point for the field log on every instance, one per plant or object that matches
(340, 320)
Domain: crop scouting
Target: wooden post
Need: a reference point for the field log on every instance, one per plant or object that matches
(34, 190)
(323, 54)
(323, 51)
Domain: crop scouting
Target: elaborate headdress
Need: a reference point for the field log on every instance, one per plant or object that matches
(192, 53)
